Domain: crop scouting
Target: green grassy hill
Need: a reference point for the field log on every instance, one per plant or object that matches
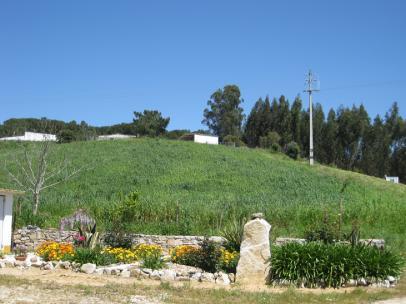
(190, 188)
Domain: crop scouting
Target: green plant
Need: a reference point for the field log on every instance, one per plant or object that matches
(233, 140)
(228, 261)
(233, 233)
(332, 265)
(150, 255)
(293, 150)
(95, 256)
(209, 256)
(88, 237)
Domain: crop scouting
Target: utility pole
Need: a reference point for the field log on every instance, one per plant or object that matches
(309, 82)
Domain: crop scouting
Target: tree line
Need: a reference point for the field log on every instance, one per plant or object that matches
(346, 138)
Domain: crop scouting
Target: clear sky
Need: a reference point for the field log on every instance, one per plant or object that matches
(99, 61)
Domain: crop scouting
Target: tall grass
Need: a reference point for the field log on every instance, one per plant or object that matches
(188, 188)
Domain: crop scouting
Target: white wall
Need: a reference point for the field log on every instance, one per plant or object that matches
(6, 222)
(206, 139)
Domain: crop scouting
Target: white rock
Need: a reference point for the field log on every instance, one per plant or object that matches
(253, 265)
(351, 283)
(88, 268)
(222, 278)
(125, 274)
(391, 279)
(155, 275)
(207, 277)
(99, 271)
(362, 282)
(168, 275)
(48, 266)
(196, 276)
(2, 265)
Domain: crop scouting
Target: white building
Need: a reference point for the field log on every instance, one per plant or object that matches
(32, 136)
(6, 218)
(202, 139)
(114, 136)
(393, 179)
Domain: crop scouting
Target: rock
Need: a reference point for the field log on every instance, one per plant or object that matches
(182, 279)
(147, 270)
(107, 271)
(48, 266)
(155, 275)
(207, 277)
(362, 282)
(231, 276)
(218, 240)
(351, 283)
(196, 277)
(253, 266)
(2, 265)
(88, 268)
(99, 271)
(168, 275)
(125, 274)
(391, 279)
(34, 259)
(222, 278)
(115, 271)
(63, 265)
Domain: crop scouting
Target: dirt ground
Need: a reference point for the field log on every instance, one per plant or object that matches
(23, 286)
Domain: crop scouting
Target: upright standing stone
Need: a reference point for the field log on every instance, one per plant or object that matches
(253, 266)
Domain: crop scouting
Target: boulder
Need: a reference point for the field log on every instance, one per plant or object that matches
(168, 275)
(88, 268)
(125, 274)
(255, 252)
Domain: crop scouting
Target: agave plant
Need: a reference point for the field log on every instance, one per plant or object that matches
(88, 237)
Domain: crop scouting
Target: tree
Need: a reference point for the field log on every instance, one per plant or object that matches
(295, 119)
(283, 121)
(33, 170)
(150, 123)
(271, 140)
(252, 130)
(318, 126)
(224, 115)
(330, 138)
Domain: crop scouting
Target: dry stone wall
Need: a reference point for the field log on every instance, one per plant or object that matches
(30, 237)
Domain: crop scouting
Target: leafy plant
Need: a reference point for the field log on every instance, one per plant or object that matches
(150, 255)
(186, 255)
(228, 261)
(94, 256)
(332, 265)
(87, 237)
(233, 233)
(54, 251)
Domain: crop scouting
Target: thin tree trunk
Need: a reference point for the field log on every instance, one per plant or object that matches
(35, 204)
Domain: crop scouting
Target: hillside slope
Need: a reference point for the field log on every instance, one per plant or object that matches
(189, 188)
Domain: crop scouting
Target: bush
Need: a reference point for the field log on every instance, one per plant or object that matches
(270, 141)
(186, 255)
(331, 265)
(122, 255)
(207, 257)
(54, 251)
(293, 150)
(94, 256)
(233, 140)
(150, 255)
(228, 261)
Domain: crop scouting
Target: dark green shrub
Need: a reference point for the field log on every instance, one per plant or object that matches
(331, 265)
(270, 141)
(66, 136)
(209, 256)
(95, 256)
(233, 140)
(292, 150)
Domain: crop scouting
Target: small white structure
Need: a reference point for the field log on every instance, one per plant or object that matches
(114, 136)
(202, 139)
(32, 136)
(6, 218)
(393, 179)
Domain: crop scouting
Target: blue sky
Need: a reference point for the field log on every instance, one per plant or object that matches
(99, 61)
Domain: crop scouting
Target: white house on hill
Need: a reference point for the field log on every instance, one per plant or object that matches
(32, 136)
(202, 139)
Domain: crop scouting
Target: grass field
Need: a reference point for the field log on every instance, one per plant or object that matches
(188, 188)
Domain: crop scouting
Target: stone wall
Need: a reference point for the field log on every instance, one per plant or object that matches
(30, 237)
